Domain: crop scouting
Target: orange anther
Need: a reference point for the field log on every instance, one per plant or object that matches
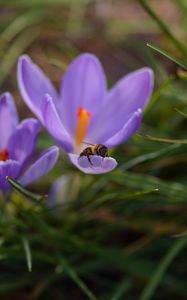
(83, 112)
(82, 125)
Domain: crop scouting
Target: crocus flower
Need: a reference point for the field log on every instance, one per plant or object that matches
(17, 144)
(84, 112)
(58, 192)
(63, 191)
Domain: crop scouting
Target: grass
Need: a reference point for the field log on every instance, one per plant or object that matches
(116, 236)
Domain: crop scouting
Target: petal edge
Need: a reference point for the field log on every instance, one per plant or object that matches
(41, 166)
(33, 85)
(107, 165)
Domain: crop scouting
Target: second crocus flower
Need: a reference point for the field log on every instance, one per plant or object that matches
(85, 112)
(17, 146)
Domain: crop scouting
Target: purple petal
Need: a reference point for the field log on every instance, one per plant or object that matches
(83, 162)
(34, 84)
(8, 118)
(54, 125)
(56, 191)
(101, 165)
(84, 85)
(96, 161)
(41, 166)
(22, 142)
(128, 129)
(130, 93)
(8, 168)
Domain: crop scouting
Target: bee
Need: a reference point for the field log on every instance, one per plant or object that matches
(96, 149)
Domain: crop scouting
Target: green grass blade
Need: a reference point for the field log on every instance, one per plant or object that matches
(34, 197)
(146, 157)
(120, 196)
(39, 3)
(173, 193)
(169, 56)
(21, 22)
(181, 113)
(74, 276)
(17, 47)
(121, 289)
(165, 263)
(166, 140)
(28, 255)
(163, 27)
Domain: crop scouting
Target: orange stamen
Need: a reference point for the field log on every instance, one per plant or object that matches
(4, 155)
(82, 125)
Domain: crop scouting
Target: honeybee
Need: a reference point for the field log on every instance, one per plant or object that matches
(96, 149)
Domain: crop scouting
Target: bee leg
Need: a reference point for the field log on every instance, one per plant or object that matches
(88, 156)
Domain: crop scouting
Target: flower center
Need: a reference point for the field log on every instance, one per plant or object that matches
(82, 125)
(4, 155)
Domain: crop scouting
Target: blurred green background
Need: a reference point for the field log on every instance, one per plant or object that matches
(120, 235)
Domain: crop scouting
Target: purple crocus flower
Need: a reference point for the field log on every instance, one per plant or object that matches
(84, 112)
(57, 191)
(17, 144)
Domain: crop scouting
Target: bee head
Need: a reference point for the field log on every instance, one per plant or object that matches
(103, 150)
